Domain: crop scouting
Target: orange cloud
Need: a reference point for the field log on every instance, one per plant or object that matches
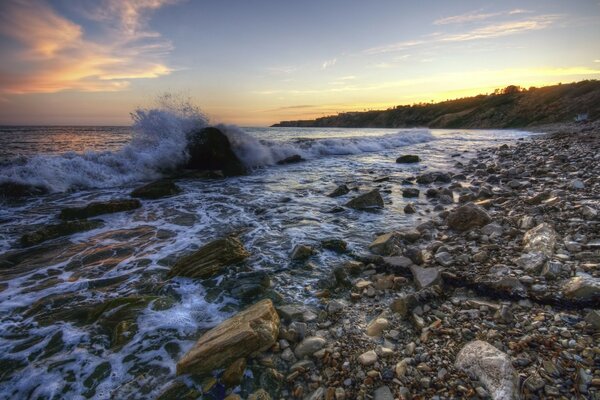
(53, 54)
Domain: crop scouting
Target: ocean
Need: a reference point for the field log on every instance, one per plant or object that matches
(50, 344)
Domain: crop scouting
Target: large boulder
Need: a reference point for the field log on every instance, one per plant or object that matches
(210, 149)
(492, 367)
(66, 228)
(251, 331)
(541, 239)
(210, 259)
(99, 208)
(467, 217)
(156, 190)
(583, 288)
(366, 201)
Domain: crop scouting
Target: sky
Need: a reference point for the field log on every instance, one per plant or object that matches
(254, 63)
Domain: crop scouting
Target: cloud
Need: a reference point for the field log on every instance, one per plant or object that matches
(52, 53)
(504, 29)
(476, 16)
(395, 47)
(329, 63)
(597, 61)
(282, 70)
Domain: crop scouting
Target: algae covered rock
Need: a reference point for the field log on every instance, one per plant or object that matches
(58, 230)
(99, 208)
(252, 330)
(210, 259)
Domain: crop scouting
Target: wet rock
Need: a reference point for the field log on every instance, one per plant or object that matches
(232, 376)
(99, 208)
(252, 330)
(210, 149)
(292, 312)
(156, 190)
(492, 367)
(179, 391)
(444, 258)
(368, 358)
(296, 158)
(583, 288)
(467, 217)
(541, 239)
(431, 177)
(210, 259)
(301, 252)
(337, 245)
(593, 318)
(426, 277)
(410, 192)
(386, 244)
(408, 159)
(309, 346)
(16, 190)
(415, 254)
(367, 201)
(410, 209)
(55, 231)
(260, 394)
(532, 262)
(339, 191)
(398, 263)
(383, 393)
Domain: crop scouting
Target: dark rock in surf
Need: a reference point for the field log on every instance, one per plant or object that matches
(210, 259)
(410, 192)
(367, 201)
(337, 245)
(99, 208)
(431, 177)
(339, 191)
(210, 149)
(291, 160)
(408, 159)
(55, 231)
(156, 190)
(16, 190)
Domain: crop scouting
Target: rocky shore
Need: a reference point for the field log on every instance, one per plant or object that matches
(495, 294)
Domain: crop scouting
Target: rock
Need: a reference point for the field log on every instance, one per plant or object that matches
(431, 177)
(582, 287)
(588, 213)
(291, 312)
(426, 277)
(368, 358)
(492, 367)
(232, 376)
(309, 346)
(399, 263)
(367, 201)
(532, 262)
(576, 184)
(408, 159)
(156, 190)
(410, 192)
(593, 318)
(410, 209)
(99, 208)
(386, 244)
(467, 217)
(210, 259)
(55, 231)
(179, 391)
(337, 245)
(210, 149)
(260, 394)
(541, 239)
(301, 252)
(377, 326)
(251, 331)
(492, 229)
(415, 254)
(16, 190)
(383, 393)
(340, 393)
(296, 158)
(444, 258)
(339, 191)
(335, 307)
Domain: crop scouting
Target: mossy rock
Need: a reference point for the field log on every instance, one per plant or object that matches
(99, 208)
(210, 259)
(55, 231)
(156, 190)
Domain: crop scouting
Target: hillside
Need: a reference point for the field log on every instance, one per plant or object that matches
(510, 107)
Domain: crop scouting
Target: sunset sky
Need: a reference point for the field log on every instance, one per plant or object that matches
(258, 62)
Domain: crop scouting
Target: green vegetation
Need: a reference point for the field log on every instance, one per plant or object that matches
(511, 107)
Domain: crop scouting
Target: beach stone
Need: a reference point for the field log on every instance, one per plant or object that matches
(260, 394)
(99, 208)
(408, 159)
(436, 176)
(467, 217)
(426, 277)
(410, 209)
(339, 191)
(291, 312)
(444, 258)
(532, 262)
(415, 254)
(593, 318)
(156, 190)
(250, 331)
(368, 358)
(492, 367)
(386, 244)
(232, 376)
(367, 201)
(296, 158)
(541, 239)
(210, 149)
(410, 192)
(337, 245)
(383, 393)
(583, 287)
(66, 228)
(400, 263)
(309, 346)
(301, 252)
(210, 259)
(377, 326)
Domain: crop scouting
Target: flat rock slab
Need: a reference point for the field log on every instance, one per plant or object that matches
(99, 208)
(491, 366)
(252, 330)
(210, 259)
